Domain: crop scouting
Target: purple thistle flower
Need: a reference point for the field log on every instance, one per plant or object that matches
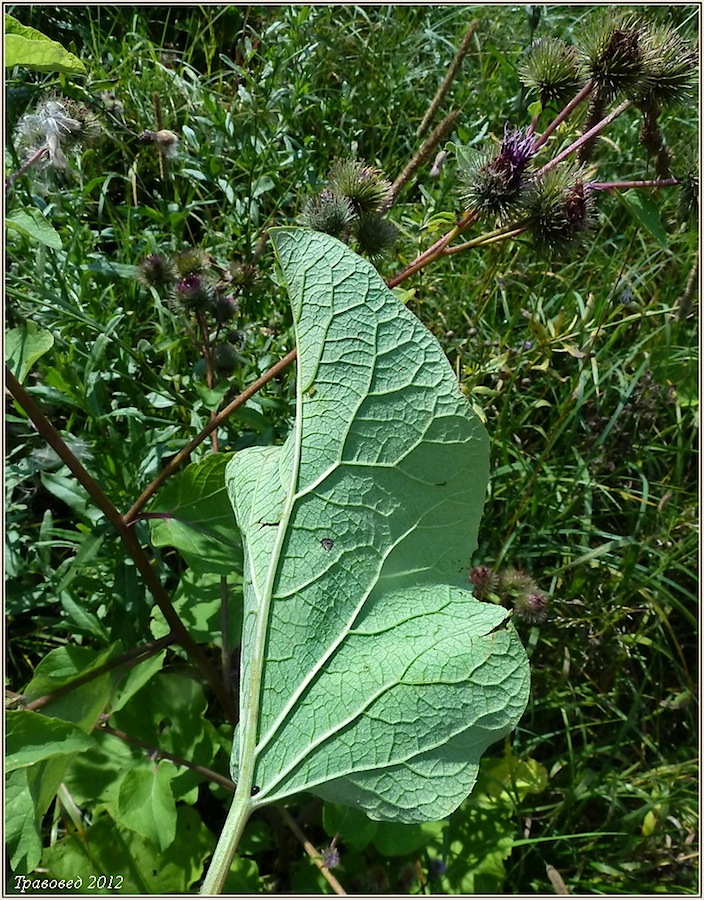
(517, 150)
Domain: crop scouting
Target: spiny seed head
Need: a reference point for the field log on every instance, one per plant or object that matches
(194, 293)
(225, 359)
(375, 235)
(670, 68)
(551, 68)
(689, 199)
(156, 271)
(514, 583)
(614, 51)
(493, 183)
(329, 213)
(532, 608)
(192, 261)
(484, 580)
(225, 307)
(560, 209)
(363, 185)
(243, 274)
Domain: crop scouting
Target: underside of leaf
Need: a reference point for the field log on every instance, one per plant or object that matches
(370, 673)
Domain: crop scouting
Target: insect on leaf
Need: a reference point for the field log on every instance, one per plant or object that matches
(371, 676)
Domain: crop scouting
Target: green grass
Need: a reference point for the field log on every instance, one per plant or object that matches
(589, 393)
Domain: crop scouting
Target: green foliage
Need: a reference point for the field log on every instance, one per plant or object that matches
(584, 371)
(25, 46)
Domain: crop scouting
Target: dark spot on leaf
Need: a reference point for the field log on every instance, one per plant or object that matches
(255, 790)
(327, 544)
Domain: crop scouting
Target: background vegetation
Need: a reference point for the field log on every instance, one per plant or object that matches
(585, 369)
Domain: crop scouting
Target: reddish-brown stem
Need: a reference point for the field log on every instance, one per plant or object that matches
(130, 658)
(563, 114)
(30, 161)
(221, 417)
(129, 540)
(626, 185)
(156, 754)
(587, 136)
(434, 251)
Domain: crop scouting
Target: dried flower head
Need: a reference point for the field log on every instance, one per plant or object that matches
(164, 139)
(56, 124)
(551, 68)
(329, 213)
(156, 271)
(493, 184)
(363, 185)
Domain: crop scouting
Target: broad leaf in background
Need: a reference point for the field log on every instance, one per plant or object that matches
(142, 868)
(32, 224)
(31, 737)
(24, 346)
(25, 46)
(198, 519)
(198, 602)
(146, 803)
(646, 211)
(371, 676)
(30, 791)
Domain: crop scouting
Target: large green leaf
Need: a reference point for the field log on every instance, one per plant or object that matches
(371, 675)
(25, 46)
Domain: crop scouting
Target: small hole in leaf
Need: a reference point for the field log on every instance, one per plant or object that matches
(327, 544)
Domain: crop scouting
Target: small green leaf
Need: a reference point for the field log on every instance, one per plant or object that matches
(31, 737)
(32, 224)
(646, 211)
(24, 345)
(199, 521)
(146, 803)
(25, 46)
